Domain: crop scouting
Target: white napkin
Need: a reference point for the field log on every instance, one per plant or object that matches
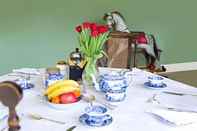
(174, 109)
(174, 117)
(3, 116)
(31, 71)
(181, 102)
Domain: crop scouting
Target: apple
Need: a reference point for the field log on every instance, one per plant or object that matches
(68, 98)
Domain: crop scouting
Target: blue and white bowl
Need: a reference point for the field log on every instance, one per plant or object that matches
(115, 95)
(113, 81)
(95, 116)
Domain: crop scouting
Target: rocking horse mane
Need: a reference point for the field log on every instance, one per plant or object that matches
(113, 12)
(118, 13)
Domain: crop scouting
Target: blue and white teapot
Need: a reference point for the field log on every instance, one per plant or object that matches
(115, 81)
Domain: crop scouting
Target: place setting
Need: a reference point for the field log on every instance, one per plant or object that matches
(155, 82)
(174, 108)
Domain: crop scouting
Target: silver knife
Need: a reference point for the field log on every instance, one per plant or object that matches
(178, 93)
(179, 110)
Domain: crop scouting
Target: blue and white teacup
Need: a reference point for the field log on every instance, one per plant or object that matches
(155, 80)
(96, 115)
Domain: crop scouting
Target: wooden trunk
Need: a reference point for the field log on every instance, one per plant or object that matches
(117, 50)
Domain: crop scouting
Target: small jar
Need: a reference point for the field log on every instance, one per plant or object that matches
(52, 75)
(64, 68)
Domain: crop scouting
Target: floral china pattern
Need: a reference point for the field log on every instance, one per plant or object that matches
(95, 116)
(112, 82)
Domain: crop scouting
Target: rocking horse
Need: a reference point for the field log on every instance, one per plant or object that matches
(10, 95)
(141, 40)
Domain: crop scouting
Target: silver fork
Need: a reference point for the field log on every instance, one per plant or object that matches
(38, 117)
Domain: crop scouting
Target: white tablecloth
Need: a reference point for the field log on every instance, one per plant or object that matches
(129, 115)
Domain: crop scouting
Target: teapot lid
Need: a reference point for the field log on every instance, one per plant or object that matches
(76, 58)
(76, 55)
(113, 76)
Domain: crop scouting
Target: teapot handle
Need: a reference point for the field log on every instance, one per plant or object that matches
(128, 74)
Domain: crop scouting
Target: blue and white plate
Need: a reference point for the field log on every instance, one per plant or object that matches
(95, 121)
(152, 86)
(24, 84)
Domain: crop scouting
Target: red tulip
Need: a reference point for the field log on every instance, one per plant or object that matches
(86, 25)
(102, 29)
(94, 33)
(78, 28)
(93, 26)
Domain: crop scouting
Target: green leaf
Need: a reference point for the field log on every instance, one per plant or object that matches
(99, 56)
(104, 53)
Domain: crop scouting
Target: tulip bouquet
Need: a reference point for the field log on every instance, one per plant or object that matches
(92, 37)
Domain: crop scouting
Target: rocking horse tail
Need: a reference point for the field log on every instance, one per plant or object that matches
(155, 47)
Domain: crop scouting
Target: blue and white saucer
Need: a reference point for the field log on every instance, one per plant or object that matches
(95, 121)
(152, 86)
(95, 116)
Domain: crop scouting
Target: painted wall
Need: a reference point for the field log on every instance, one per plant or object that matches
(37, 33)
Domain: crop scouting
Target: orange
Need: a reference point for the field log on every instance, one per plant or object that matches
(77, 93)
(56, 100)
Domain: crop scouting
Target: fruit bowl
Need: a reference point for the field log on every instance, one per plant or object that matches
(76, 105)
(63, 94)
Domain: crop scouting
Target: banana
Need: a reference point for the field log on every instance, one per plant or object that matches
(61, 90)
(61, 83)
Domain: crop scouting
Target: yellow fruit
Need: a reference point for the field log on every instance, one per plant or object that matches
(61, 83)
(61, 90)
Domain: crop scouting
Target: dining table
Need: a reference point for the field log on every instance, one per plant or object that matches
(128, 115)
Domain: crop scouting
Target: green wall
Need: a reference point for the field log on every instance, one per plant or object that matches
(37, 33)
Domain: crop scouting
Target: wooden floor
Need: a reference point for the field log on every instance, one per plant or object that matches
(188, 77)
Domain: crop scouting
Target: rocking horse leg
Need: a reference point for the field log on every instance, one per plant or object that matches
(147, 57)
(134, 56)
(152, 66)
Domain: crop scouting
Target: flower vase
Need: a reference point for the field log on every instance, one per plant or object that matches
(90, 73)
